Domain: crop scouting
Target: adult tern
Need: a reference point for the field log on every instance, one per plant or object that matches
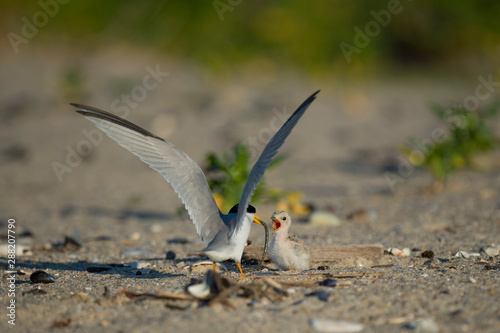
(287, 251)
(225, 234)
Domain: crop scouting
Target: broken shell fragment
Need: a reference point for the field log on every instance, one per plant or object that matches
(462, 254)
(199, 290)
(399, 253)
(491, 251)
(211, 285)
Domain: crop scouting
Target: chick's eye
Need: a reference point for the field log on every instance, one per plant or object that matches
(284, 218)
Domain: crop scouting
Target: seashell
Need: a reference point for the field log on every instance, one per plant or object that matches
(211, 285)
(423, 325)
(139, 265)
(491, 251)
(200, 290)
(42, 277)
(462, 254)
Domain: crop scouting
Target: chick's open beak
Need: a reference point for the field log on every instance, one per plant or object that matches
(276, 224)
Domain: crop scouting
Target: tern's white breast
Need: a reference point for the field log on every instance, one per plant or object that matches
(239, 239)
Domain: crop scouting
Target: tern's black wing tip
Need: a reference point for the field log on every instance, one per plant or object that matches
(313, 96)
(89, 111)
(82, 107)
(310, 99)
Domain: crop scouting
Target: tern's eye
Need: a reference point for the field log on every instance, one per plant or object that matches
(284, 218)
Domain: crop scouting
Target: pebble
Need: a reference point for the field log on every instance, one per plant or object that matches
(321, 218)
(362, 215)
(334, 326)
(170, 255)
(71, 242)
(26, 234)
(492, 251)
(322, 295)
(323, 268)
(156, 228)
(252, 262)
(428, 254)
(42, 277)
(135, 236)
(329, 283)
(426, 325)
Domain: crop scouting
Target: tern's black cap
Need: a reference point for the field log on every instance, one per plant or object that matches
(250, 209)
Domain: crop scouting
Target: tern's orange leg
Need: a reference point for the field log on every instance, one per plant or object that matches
(242, 275)
(214, 268)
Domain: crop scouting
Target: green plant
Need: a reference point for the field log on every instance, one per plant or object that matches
(469, 134)
(227, 175)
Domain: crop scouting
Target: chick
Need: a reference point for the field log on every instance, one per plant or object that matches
(287, 251)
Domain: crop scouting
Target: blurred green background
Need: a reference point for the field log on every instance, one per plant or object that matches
(229, 36)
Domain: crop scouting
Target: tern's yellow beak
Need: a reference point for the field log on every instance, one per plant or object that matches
(257, 220)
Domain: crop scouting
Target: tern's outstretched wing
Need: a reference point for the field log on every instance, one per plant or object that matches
(179, 169)
(265, 159)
